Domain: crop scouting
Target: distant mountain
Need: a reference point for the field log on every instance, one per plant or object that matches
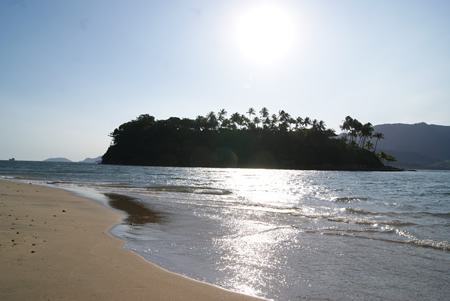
(58, 159)
(417, 145)
(95, 160)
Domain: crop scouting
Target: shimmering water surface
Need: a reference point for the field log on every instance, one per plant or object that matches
(278, 234)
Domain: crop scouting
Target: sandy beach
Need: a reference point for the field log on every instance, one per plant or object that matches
(56, 246)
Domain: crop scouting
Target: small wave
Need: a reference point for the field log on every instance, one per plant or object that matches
(428, 243)
(8, 177)
(434, 214)
(395, 223)
(423, 243)
(310, 215)
(339, 220)
(440, 214)
(415, 214)
(352, 231)
(348, 199)
(190, 189)
(57, 182)
(370, 222)
(233, 236)
(114, 185)
(361, 211)
(19, 177)
(405, 234)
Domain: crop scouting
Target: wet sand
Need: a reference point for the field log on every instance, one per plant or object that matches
(137, 213)
(56, 246)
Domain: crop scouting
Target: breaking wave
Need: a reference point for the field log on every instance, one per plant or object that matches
(190, 189)
(346, 200)
(423, 243)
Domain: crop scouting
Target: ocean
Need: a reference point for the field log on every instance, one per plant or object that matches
(277, 234)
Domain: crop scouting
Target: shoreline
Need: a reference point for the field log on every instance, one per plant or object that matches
(356, 168)
(56, 245)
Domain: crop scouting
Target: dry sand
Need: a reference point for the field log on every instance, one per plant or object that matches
(56, 246)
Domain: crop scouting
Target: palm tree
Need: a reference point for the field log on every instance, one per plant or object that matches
(267, 123)
(221, 116)
(284, 119)
(292, 123)
(235, 120)
(321, 126)
(250, 112)
(245, 122)
(377, 136)
(386, 157)
(369, 145)
(346, 127)
(226, 124)
(314, 124)
(264, 113)
(347, 124)
(212, 120)
(256, 121)
(365, 132)
(299, 122)
(201, 123)
(307, 121)
(274, 122)
(355, 130)
(329, 133)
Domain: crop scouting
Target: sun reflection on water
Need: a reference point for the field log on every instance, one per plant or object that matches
(257, 237)
(250, 252)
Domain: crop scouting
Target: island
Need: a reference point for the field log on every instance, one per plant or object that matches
(58, 160)
(253, 140)
(95, 160)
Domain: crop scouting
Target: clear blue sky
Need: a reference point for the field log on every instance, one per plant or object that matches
(72, 71)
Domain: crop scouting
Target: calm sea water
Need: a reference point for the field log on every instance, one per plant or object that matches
(281, 234)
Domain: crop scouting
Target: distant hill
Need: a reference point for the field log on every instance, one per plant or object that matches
(58, 159)
(95, 160)
(417, 145)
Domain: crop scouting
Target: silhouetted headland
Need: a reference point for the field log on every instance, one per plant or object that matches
(252, 141)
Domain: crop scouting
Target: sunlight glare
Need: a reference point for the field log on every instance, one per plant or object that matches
(264, 34)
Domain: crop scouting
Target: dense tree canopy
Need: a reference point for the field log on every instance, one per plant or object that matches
(257, 139)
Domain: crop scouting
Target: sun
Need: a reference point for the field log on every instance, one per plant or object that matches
(264, 34)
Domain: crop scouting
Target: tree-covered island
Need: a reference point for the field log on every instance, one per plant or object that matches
(251, 140)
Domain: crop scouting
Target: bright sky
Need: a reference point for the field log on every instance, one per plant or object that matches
(72, 71)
